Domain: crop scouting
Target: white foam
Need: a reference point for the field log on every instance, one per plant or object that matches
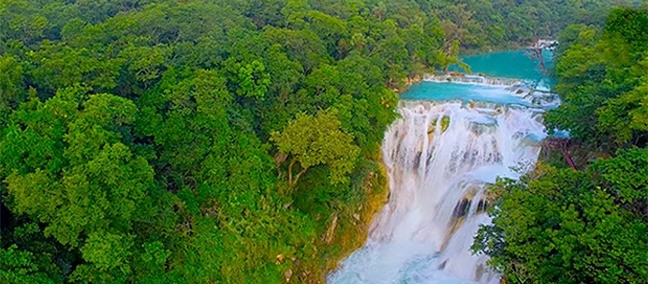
(419, 237)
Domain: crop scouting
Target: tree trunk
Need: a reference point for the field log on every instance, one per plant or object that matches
(292, 181)
(568, 157)
(294, 184)
(292, 163)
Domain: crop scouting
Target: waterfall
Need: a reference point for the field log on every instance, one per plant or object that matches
(472, 79)
(440, 157)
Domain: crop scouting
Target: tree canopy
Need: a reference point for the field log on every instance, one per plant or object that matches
(560, 225)
(147, 141)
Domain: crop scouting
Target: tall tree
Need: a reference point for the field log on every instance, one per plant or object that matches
(308, 146)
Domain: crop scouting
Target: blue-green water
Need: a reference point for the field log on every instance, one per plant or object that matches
(446, 91)
(515, 64)
(417, 238)
(508, 64)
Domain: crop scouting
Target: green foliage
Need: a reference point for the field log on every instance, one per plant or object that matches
(252, 80)
(559, 225)
(626, 175)
(107, 252)
(18, 267)
(310, 146)
(142, 141)
(602, 80)
(445, 123)
(74, 150)
(564, 227)
(11, 85)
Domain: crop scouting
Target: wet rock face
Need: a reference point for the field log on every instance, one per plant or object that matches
(462, 208)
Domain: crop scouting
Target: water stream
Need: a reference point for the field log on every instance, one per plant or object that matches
(452, 140)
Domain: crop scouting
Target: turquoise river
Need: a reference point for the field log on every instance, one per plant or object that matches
(455, 135)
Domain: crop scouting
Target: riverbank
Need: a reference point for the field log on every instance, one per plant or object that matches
(348, 228)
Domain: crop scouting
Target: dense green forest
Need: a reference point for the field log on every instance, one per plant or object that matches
(561, 225)
(236, 141)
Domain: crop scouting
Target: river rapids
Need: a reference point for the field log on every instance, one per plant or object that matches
(440, 156)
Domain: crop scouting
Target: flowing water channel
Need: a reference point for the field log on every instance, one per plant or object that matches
(452, 140)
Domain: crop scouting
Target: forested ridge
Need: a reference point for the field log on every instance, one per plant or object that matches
(585, 225)
(222, 141)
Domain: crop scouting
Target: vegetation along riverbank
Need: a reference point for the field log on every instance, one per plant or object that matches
(237, 141)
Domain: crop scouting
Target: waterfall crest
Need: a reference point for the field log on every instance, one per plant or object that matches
(440, 157)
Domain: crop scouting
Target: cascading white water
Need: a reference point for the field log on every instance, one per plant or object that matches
(440, 157)
(475, 79)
